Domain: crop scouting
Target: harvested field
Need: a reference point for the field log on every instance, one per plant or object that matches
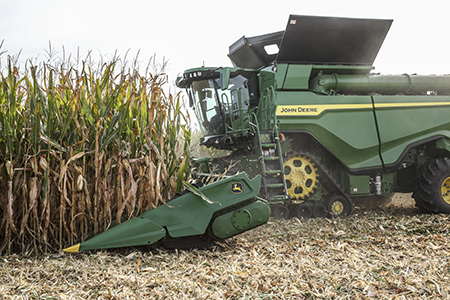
(390, 252)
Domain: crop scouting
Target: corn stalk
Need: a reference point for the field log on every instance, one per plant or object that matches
(82, 148)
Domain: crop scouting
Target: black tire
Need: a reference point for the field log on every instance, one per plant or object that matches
(279, 211)
(301, 211)
(432, 188)
(319, 211)
(339, 206)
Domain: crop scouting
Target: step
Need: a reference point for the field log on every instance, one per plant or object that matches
(265, 138)
(274, 185)
(271, 157)
(269, 145)
(272, 172)
(277, 198)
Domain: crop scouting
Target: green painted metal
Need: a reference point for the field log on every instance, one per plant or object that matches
(244, 218)
(383, 84)
(297, 77)
(188, 215)
(134, 232)
(358, 185)
(346, 126)
(405, 120)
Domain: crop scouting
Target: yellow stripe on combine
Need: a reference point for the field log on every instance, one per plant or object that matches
(315, 110)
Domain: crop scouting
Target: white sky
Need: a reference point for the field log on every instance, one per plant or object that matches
(190, 33)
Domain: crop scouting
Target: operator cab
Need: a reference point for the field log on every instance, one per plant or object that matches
(222, 100)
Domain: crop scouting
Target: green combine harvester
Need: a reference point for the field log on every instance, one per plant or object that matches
(302, 113)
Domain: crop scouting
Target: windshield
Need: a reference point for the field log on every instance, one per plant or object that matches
(217, 110)
(207, 107)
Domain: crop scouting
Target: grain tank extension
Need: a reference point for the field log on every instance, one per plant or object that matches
(303, 108)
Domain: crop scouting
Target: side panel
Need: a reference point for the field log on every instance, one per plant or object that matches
(404, 120)
(345, 125)
(190, 215)
(243, 219)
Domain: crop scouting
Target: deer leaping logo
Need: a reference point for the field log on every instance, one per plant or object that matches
(237, 188)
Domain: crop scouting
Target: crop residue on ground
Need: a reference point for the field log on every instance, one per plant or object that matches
(383, 254)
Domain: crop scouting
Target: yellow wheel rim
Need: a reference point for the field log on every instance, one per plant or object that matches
(301, 176)
(445, 190)
(337, 208)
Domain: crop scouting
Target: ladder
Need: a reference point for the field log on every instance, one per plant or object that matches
(272, 170)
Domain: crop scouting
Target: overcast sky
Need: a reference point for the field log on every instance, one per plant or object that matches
(192, 33)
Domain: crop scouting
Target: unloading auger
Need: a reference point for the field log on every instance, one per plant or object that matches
(211, 213)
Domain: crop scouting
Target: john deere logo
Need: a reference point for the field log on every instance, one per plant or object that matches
(237, 188)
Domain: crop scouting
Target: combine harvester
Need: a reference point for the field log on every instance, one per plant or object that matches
(314, 128)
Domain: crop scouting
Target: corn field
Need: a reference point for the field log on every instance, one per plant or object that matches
(82, 148)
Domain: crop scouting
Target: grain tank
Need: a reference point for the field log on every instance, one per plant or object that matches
(304, 108)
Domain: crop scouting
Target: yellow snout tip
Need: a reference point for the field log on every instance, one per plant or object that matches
(74, 248)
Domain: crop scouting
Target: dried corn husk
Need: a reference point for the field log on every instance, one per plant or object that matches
(80, 183)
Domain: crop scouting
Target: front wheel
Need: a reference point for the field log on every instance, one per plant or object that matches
(432, 189)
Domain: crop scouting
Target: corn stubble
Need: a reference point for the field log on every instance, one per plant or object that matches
(82, 148)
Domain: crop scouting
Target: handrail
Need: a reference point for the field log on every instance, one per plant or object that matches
(267, 109)
(228, 106)
(273, 111)
(234, 114)
(258, 134)
(255, 118)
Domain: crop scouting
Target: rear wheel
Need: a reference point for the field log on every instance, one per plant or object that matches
(339, 206)
(432, 189)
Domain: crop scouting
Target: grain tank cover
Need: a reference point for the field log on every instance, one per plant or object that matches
(250, 53)
(315, 40)
(336, 41)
